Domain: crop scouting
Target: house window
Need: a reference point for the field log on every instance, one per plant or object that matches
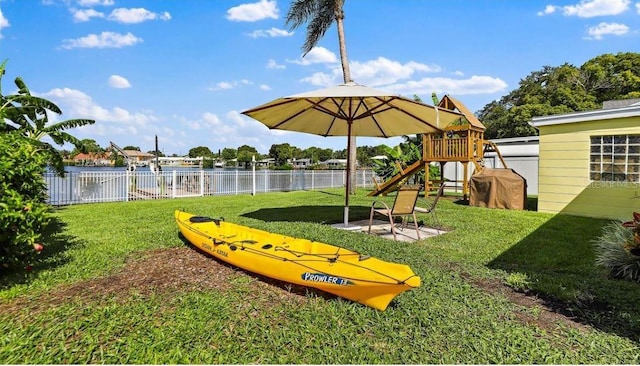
(615, 158)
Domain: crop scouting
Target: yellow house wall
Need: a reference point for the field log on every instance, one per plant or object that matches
(563, 183)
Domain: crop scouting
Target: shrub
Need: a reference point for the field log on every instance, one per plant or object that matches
(23, 208)
(618, 249)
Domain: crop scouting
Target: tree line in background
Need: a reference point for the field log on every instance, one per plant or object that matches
(283, 154)
(562, 89)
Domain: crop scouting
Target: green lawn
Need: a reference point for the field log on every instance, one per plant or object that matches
(452, 318)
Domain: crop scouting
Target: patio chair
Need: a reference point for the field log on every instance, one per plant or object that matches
(432, 207)
(403, 207)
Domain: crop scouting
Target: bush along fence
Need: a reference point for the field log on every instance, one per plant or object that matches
(112, 186)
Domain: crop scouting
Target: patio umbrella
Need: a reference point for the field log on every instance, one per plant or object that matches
(351, 109)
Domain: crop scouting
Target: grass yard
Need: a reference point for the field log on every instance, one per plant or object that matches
(118, 285)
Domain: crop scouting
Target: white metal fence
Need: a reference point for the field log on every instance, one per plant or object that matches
(96, 186)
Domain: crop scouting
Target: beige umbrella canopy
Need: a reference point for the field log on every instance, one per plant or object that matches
(351, 109)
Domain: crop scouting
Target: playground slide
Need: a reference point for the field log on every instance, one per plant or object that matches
(392, 183)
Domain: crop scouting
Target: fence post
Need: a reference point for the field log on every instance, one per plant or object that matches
(202, 183)
(71, 197)
(312, 180)
(174, 181)
(127, 184)
(237, 181)
(253, 175)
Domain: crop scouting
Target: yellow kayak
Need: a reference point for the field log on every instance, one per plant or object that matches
(342, 272)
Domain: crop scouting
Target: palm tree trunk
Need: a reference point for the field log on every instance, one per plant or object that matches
(352, 156)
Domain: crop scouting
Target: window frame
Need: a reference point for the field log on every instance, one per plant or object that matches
(614, 158)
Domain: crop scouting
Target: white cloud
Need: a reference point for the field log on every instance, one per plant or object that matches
(396, 77)
(638, 8)
(236, 118)
(473, 85)
(323, 79)
(549, 9)
(272, 64)
(4, 23)
(265, 87)
(252, 12)
(273, 32)
(458, 73)
(88, 3)
(118, 82)
(136, 15)
(211, 119)
(590, 8)
(604, 29)
(383, 71)
(223, 85)
(84, 15)
(380, 71)
(317, 55)
(103, 40)
(80, 105)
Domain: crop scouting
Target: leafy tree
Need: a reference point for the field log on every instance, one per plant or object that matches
(118, 160)
(229, 154)
(610, 77)
(200, 151)
(310, 153)
(246, 154)
(160, 153)
(404, 154)
(66, 154)
(325, 154)
(88, 146)
(129, 147)
(29, 116)
(24, 212)
(319, 16)
(297, 152)
(281, 153)
(562, 89)
(365, 153)
(316, 154)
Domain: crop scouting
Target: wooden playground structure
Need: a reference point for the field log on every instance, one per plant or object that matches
(459, 142)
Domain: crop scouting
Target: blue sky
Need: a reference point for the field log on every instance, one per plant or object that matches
(184, 70)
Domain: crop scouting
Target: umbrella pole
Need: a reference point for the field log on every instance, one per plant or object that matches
(348, 180)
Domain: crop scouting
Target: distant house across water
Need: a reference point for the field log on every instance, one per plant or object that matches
(301, 163)
(93, 159)
(336, 163)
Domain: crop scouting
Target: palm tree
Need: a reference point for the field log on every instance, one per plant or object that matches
(27, 115)
(320, 14)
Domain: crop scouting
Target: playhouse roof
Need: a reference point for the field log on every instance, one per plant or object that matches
(453, 104)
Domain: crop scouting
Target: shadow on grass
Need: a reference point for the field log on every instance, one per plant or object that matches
(316, 214)
(532, 202)
(56, 243)
(559, 268)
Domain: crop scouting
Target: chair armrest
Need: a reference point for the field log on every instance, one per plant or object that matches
(373, 205)
(427, 203)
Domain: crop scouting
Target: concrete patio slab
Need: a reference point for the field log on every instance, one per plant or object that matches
(383, 229)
